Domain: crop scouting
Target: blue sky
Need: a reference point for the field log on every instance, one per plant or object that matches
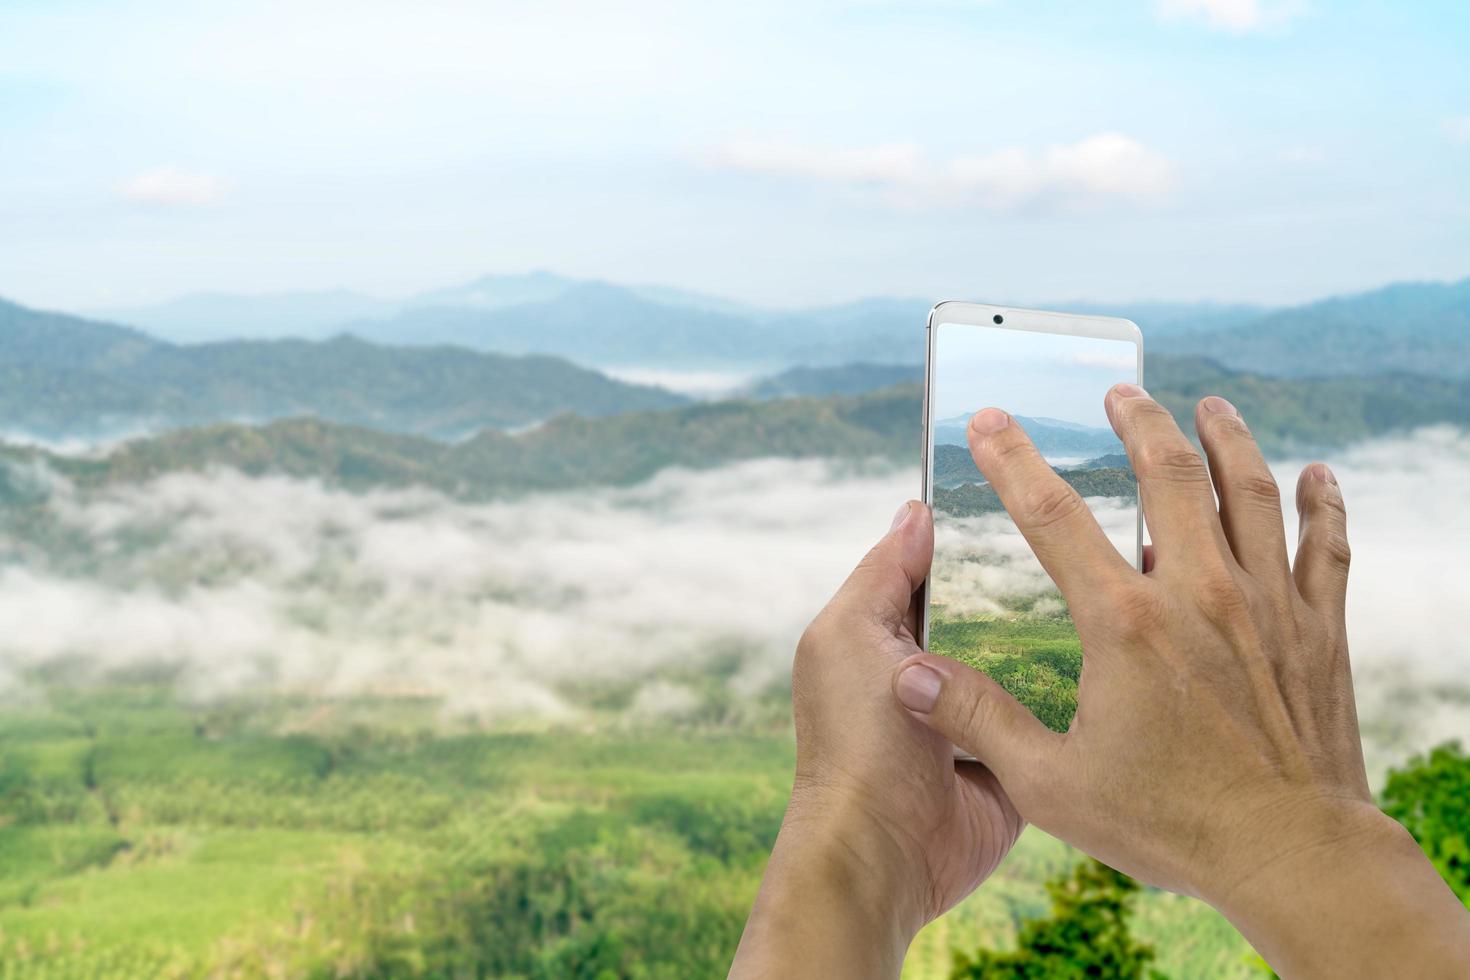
(780, 152)
(1027, 373)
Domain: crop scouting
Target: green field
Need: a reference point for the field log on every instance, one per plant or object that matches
(1036, 658)
(142, 838)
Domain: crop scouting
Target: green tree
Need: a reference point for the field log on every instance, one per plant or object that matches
(1428, 796)
(1086, 935)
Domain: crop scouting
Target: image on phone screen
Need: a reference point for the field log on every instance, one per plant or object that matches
(990, 603)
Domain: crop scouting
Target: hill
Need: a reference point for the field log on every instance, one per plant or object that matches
(843, 379)
(1415, 327)
(572, 451)
(567, 452)
(973, 499)
(64, 377)
(1053, 437)
(1409, 327)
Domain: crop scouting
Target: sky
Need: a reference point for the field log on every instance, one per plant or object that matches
(1027, 373)
(772, 151)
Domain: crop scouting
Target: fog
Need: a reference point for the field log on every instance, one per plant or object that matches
(515, 611)
(983, 566)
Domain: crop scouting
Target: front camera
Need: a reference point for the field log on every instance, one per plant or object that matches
(998, 318)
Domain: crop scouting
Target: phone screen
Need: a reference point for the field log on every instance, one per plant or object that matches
(991, 605)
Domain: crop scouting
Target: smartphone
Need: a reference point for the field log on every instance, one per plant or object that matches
(987, 601)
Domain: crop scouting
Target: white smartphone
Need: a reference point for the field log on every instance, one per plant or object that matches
(987, 601)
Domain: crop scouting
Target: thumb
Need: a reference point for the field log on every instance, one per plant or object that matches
(882, 587)
(978, 715)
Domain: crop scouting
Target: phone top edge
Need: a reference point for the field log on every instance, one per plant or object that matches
(1021, 318)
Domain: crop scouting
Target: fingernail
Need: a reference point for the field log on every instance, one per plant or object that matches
(918, 688)
(900, 517)
(989, 420)
(1219, 406)
(1130, 391)
(1323, 473)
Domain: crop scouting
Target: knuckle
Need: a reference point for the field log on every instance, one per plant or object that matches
(1136, 611)
(1335, 548)
(1050, 504)
(977, 716)
(1221, 594)
(1172, 462)
(1259, 484)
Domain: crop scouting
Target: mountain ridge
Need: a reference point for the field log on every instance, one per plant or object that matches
(64, 376)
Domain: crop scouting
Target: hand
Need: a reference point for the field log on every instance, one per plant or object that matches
(884, 830)
(1215, 750)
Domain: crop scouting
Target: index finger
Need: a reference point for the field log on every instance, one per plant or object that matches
(1060, 528)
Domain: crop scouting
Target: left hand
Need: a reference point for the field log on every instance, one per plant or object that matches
(884, 832)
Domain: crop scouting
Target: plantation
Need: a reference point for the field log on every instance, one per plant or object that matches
(142, 838)
(1037, 659)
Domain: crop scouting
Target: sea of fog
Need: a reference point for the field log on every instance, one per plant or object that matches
(510, 612)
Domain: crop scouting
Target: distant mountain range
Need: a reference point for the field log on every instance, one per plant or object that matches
(62, 377)
(955, 467)
(1419, 327)
(1416, 327)
(570, 452)
(1053, 437)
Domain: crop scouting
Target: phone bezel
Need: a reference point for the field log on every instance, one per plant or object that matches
(1014, 318)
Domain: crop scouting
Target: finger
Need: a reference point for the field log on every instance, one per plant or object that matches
(1148, 558)
(1250, 500)
(1173, 484)
(981, 717)
(1062, 532)
(881, 589)
(1322, 552)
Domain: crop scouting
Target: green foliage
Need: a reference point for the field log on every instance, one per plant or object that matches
(571, 451)
(1429, 797)
(973, 499)
(1038, 659)
(1086, 935)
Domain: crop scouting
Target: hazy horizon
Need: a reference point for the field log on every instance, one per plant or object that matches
(778, 153)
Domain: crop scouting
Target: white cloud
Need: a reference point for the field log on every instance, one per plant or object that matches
(1236, 16)
(1457, 128)
(1099, 168)
(500, 610)
(173, 187)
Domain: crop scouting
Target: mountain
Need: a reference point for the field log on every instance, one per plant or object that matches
(1053, 437)
(570, 452)
(594, 323)
(845, 379)
(1418, 327)
(954, 466)
(971, 500)
(1111, 461)
(497, 291)
(63, 377)
(204, 317)
(1422, 328)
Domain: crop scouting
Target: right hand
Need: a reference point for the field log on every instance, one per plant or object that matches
(1215, 749)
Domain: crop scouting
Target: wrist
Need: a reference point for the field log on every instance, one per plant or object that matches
(838, 898)
(1360, 899)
